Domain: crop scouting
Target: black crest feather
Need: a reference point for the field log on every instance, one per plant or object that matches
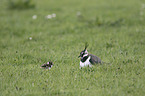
(86, 45)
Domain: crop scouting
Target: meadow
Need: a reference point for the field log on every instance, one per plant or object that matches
(29, 37)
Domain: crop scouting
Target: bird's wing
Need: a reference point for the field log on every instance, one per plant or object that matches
(94, 59)
(44, 65)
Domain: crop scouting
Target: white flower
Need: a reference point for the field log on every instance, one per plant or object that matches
(34, 16)
(48, 17)
(78, 13)
(141, 13)
(53, 15)
(143, 6)
(30, 38)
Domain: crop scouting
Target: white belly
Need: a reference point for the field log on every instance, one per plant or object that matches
(86, 63)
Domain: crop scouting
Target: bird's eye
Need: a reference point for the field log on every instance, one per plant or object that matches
(82, 53)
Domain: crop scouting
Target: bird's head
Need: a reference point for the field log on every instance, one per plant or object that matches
(84, 52)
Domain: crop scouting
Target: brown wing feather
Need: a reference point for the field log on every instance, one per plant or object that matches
(94, 59)
(44, 65)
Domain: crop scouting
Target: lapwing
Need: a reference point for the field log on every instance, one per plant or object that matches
(88, 59)
(48, 65)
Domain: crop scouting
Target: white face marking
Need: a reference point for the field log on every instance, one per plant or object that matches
(86, 63)
(86, 51)
(85, 55)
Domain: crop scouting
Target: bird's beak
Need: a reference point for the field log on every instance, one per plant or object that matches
(79, 56)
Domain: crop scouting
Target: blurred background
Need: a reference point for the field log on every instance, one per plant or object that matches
(33, 32)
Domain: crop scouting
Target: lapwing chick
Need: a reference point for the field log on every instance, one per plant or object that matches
(48, 65)
(88, 59)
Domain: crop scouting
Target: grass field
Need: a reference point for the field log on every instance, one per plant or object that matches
(114, 29)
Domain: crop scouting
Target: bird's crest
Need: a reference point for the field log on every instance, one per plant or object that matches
(86, 45)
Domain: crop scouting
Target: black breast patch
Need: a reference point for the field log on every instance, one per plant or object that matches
(84, 58)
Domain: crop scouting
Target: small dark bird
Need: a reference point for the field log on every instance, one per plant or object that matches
(88, 59)
(48, 65)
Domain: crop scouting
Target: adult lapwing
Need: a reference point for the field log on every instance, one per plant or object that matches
(88, 59)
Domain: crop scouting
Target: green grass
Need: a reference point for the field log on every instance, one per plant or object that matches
(115, 31)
